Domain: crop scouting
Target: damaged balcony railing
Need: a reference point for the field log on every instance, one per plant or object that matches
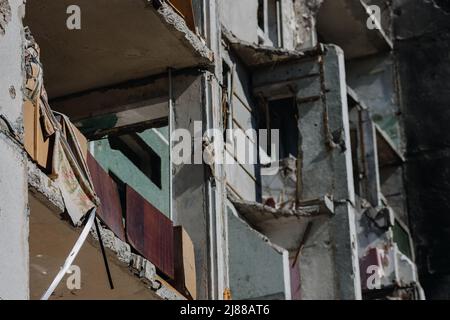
(385, 270)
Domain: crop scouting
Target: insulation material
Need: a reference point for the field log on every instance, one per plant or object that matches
(150, 232)
(76, 189)
(110, 209)
(185, 274)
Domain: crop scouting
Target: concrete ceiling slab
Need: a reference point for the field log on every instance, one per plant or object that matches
(344, 23)
(119, 40)
(284, 227)
(255, 56)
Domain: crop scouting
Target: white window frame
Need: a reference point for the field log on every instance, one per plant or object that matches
(264, 34)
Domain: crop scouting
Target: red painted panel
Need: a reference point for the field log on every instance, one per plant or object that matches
(150, 232)
(110, 210)
(371, 258)
(295, 280)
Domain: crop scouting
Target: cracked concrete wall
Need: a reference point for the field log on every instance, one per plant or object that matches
(305, 13)
(422, 52)
(247, 249)
(240, 17)
(13, 221)
(374, 80)
(189, 194)
(13, 182)
(11, 14)
(298, 20)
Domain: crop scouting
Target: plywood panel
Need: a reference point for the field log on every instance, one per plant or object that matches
(185, 274)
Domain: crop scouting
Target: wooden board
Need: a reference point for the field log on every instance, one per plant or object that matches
(185, 273)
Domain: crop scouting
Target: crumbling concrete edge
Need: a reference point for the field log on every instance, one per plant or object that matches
(46, 190)
(318, 207)
(137, 264)
(178, 25)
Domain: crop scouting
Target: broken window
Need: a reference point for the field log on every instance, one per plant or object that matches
(282, 116)
(402, 238)
(269, 23)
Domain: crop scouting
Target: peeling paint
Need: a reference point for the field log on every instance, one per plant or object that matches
(306, 12)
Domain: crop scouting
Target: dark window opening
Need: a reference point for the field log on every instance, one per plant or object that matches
(283, 116)
(140, 154)
(401, 238)
(355, 162)
(273, 22)
(261, 14)
(121, 188)
(227, 93)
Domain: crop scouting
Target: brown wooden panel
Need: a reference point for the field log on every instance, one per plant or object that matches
(150, 232)
(36, 144)
(184, 260)
(295, 280)
(184, 8)
(110, 210)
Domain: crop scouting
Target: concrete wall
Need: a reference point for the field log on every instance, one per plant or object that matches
(242, 177)
(240, 17)
(422, 46)
(189, 194)
(13, 182)
(326, 168)
(374, 80)
(258, 269)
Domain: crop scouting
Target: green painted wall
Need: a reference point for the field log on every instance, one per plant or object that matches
(116, 162)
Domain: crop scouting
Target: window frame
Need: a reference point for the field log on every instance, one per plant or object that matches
(272, 9)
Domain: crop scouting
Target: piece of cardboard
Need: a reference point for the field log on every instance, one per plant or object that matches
(185, 272)
(37, 146)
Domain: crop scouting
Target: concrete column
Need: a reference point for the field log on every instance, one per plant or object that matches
(329, 264)
(14, 279)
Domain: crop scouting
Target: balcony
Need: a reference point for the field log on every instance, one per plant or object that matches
(345, 23)
(118, 41)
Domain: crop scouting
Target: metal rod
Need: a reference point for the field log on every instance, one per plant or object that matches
(171, 128)
(302, 243)
(105, 259)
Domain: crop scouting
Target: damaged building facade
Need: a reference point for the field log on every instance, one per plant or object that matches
(101, 99)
